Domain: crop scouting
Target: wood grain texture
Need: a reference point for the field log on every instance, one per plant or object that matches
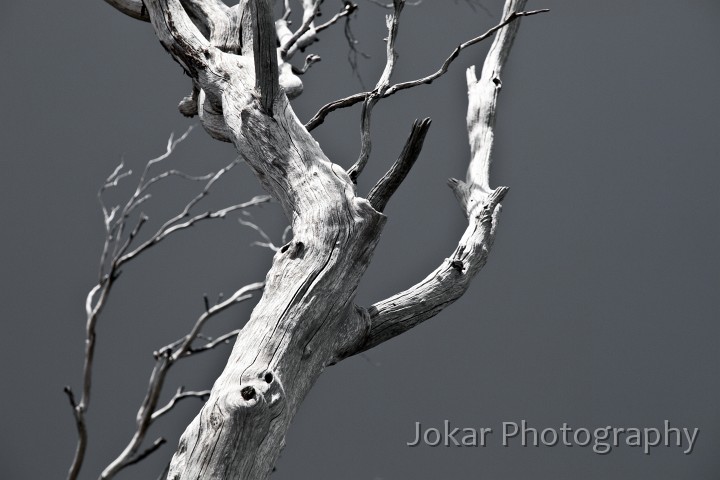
(380, 194)
(132, 8)
(399, 313)
(306, 318)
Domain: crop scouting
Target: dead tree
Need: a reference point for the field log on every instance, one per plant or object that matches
(238, 59)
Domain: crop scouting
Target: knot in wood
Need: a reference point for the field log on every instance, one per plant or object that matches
(248, 393)
(294, 249)
(457, 265)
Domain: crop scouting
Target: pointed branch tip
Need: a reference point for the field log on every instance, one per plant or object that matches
(380, 195)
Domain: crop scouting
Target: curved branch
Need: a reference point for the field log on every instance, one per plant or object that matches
(179, 395)
(179, 35)
(451, 279)
(447, 283)
(132, 8)
(455, 53)
(351, 100)
(309, 14)
(165, 359)
(393, 24)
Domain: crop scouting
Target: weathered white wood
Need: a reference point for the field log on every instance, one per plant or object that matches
(133, 8)
(380, 194)
(481, 205)
(301, 323)
(306, 318)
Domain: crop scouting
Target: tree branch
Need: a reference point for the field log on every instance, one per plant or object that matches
(181, 394)
(403, 311)
(351, 100)
(264, 52)
(320, 116)
(180, 37)
(451, 279)
(113, 256)
(310, 11)
(307, 33)
(455, 53)
(393, 23)
(165, 359)
(240, 295)
(159, 442)
(132, 8)
(268, 243)
(80, 425)
(347, 10)
(171, 227)
(389, 183)
(222, 339)
(303, 321)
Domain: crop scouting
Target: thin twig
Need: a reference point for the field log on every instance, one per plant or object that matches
(136, 196)
(168, 355)
(164, 473)
(393, 23)
(147, 452)
(309, 17)
(114, 255)
(171, 227)
(179, 395)
(308, 32)
(144, 420)
(444, 68)
(286, 234)
(222, 339)
(354, 53)
(347, 10)
(268, 242)
(351, 100)
(240, 295)
(82, 434)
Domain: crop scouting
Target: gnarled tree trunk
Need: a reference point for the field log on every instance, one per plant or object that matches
(307, 319)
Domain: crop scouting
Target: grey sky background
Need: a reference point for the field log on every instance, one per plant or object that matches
(599, 304)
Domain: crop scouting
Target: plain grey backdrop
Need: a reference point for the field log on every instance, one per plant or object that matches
(599, 304)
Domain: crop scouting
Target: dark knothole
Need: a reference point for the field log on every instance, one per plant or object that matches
(298, 250)
(457, 265)
(248, 393)
(268, 377)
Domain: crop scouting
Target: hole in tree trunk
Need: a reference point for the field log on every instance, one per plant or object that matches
(248, 393)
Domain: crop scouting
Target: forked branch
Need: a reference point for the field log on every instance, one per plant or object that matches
(165, 358)
(309, 14)
(351, 100)
(118, 249)
(481, 204)
(393, 23)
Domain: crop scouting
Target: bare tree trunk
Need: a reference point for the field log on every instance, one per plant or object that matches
(307, 319)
